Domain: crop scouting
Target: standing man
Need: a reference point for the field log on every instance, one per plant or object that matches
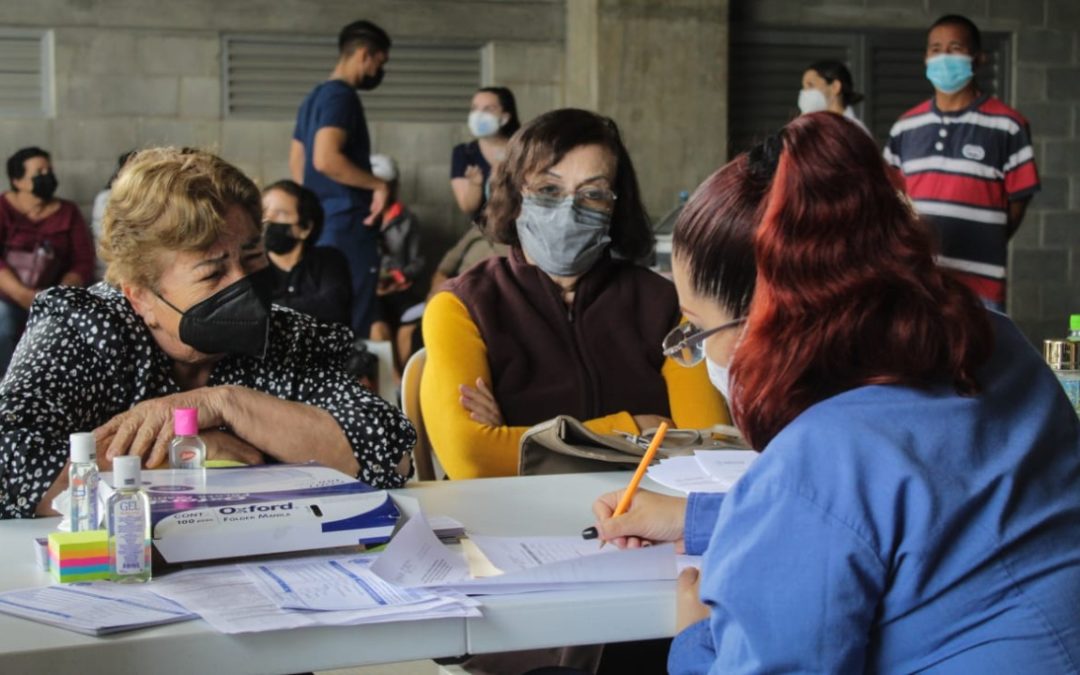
(329, 155)
(967, 161)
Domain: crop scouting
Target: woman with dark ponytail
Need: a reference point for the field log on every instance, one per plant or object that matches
(916, 503)
(828, 85)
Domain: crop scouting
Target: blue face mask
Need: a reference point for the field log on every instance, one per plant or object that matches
(949, 73)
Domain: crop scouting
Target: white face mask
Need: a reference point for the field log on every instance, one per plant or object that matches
(812, 100)
(719, 377)
(483, 124)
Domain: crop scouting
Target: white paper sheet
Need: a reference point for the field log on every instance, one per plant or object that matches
(227, 599)
(335, 584)
(95, 608)
(705, 471)
(515, 554)
(684, 474)
(415, 557)
(725, 466)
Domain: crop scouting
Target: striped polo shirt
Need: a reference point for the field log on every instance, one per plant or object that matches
(961, 170)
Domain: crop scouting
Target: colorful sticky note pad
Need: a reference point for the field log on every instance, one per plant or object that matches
(79, 556)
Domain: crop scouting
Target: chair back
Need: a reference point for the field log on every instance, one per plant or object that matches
(427, 466)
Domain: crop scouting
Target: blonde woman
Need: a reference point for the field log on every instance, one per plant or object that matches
(184, 320)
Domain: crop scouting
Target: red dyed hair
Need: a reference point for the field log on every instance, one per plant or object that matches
(847, 292)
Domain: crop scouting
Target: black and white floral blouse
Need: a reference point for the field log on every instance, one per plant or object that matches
(86, 356)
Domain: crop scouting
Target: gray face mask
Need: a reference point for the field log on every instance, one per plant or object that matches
(561, 238)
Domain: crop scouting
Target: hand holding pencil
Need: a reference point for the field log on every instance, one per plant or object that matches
(645, 517)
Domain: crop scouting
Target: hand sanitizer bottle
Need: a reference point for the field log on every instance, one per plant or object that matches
(128, 513)
(187, 451)
(83, 481)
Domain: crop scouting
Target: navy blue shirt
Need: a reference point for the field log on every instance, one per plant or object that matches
(895, 530)
(466, 155)
(335, 104)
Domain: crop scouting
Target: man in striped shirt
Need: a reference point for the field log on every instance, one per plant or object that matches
(967, 161)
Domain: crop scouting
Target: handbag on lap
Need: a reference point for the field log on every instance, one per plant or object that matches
(565, 445)
(36, 268)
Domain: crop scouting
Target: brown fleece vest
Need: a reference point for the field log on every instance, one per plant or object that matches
(600, 356)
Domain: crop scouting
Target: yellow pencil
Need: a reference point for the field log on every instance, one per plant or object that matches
(643, 466)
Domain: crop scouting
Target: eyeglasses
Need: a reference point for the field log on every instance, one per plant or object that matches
(589, 197)
(686, 343)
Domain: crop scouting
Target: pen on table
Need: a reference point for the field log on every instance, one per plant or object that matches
(628, 494)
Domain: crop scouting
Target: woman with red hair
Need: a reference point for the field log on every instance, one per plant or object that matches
(917, 501)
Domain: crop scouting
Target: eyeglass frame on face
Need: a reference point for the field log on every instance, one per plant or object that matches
(692, 341)
(604, 203)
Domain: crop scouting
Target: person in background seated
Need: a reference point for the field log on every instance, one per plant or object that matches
(305, 277)
(402, 265)
(184, 320)
(45, 242)
(916, 504)
(475, 246)
(493, 119)
(827, 85)
(97, 214)
(565, 325)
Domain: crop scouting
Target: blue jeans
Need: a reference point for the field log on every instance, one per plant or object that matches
(360, 244)
(12, 321)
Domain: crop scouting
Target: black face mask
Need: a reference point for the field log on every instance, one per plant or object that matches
(44, 186)
(278, 238)
(235, 320)
(371, 81)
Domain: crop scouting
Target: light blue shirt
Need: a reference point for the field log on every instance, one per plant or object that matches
(890, 529)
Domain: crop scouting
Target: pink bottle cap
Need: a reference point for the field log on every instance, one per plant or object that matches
(186, 421)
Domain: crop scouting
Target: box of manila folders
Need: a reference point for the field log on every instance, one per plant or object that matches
(207, 514)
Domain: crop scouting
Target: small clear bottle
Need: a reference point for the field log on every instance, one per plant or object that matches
(83, 481)
(1063, 357)
(128, 513)
(187, 450)
(1074, 328)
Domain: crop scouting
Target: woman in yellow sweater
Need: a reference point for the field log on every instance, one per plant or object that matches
(565, 325)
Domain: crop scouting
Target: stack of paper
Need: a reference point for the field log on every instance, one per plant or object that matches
(704, 471)
(97, 608)
(301, 593)
(415, 558)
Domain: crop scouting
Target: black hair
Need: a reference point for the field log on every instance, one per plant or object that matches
(541, 144)
(967, 24)
(16, 164)
(509, 106)
(120, 162)
(363, 34)
(308, 208)
(831, 71)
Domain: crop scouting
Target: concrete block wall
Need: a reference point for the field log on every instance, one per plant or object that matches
(144, 72)
(1044, 257)
(659, 69)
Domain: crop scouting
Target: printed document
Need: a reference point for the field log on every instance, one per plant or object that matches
(330, 584)
(705, 471)
(416, 558)
(96, 608)
(229, 600)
